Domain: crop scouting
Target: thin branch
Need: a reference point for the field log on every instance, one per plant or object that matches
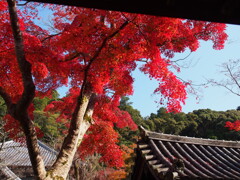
(225, 86)
(137, 25)
(23, 4)
(106, 39)
(50, 36)
(141, 60)
(129, 20)
(192, 84)
(74, 55)
(182, 59)
(231, 71)
(232, 76)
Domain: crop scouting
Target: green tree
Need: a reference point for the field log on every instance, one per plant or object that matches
(3, 111)
(207, 123)
(127, 106)
(41, 103)
(204, 123)
(3, 108)
(170, 123)
(126, 135)
(49, 127)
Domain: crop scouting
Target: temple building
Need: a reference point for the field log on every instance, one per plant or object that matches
(15, 163)
(166, 157)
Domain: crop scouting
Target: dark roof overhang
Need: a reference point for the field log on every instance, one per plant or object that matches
(224, 11)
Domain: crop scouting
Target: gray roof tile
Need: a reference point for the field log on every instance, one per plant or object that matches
(16, 154)
(201, 158)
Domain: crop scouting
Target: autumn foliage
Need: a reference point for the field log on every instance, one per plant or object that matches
(233, 125)
(86, 33)
(94, 52)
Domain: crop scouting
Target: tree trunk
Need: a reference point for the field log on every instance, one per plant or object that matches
(33, 148)
(77, 128)
(19, 110)
(81, 121)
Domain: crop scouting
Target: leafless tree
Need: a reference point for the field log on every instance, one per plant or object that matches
(231, 80)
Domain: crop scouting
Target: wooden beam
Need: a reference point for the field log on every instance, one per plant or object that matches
(224, 11)
(149, 135)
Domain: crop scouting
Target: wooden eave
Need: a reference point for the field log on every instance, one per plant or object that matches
(223, 11)
(190, 140)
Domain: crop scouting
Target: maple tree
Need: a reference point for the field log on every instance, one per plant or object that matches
(233, 125)
(125, 171)
(94, 52)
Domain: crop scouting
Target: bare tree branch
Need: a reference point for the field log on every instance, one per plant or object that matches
(215, 83)
(231, 71)
(182, 59)
(234, 79)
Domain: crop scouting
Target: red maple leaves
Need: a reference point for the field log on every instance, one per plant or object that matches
(106, 109)
(233, 125)
(102, 139)
(88, 34)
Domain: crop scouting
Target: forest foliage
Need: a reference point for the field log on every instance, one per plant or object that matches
(203, 123)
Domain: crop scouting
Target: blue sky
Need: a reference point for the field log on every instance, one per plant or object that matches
(204, 63)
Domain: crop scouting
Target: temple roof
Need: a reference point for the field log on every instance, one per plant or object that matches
(172, 156)
(15, 154)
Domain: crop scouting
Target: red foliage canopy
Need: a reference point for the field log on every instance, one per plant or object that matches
(113, 42)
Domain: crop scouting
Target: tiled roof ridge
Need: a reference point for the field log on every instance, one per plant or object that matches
(40, 143)
(7, 142)
(9, 173)
(46, 147)
(189, 140)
